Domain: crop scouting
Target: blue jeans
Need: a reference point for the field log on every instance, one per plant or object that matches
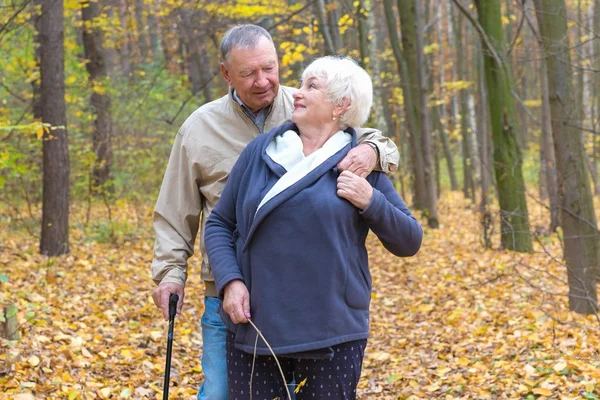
(214, 364)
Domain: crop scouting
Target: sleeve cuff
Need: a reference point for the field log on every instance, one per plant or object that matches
(374, 205)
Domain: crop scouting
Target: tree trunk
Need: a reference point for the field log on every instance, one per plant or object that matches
(198, 62)
(380, 100)
(93, 45)
(154, 31)
(578, 220)
(548, 163)
(110, 51)
(595, 114)
(334, 17)
(416, 155)
(430, 182)
(515, 234)
(452, 43)
(442, 109)
(468, 181)
(125, 50)
(55, 206)
(141, 30)
(409, 46)
(35, 84)
(484, 148)
(362, 15)
(324, 26)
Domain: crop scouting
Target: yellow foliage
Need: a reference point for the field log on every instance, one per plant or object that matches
(533, 102)
(344, 23)
(431, 48)
(455, 86)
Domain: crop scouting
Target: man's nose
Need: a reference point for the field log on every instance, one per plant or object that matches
(261, 80)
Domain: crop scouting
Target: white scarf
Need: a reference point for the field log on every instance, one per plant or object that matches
(286, 150)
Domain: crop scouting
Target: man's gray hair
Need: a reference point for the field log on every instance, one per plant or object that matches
(345, 79)
(242, 37)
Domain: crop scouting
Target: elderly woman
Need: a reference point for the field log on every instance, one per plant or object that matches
(287, 244)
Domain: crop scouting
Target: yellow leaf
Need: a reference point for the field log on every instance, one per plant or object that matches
(104, 393)
(463, 361)
(542, 392)
(34, 361)
(559, 366)
(73, 394)
(300, 385)
(86, 352)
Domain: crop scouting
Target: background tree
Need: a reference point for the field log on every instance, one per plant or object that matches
(55, 208)
(96, 65)
(515, 234)
(578, 219)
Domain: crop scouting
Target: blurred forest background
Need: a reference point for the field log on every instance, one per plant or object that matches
(495, 102)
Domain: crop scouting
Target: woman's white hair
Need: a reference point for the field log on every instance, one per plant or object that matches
(345, 79)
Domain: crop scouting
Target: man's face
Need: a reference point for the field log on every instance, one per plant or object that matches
(254, 74)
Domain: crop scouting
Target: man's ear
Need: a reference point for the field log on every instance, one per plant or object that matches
(226, 74)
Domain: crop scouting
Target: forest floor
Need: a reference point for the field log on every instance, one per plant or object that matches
(455, 322)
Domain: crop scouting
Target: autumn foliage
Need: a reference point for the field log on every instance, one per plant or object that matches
(456, 321)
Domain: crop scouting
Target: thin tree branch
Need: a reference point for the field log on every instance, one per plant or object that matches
(481, 32)
(292, 15)
(12, 17)
(190, 97)
(22, 100)
(512, 45)
(522, 104)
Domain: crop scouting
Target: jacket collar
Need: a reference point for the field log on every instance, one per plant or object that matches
(325, 167)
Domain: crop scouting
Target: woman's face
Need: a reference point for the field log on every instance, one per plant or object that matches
(310, 104)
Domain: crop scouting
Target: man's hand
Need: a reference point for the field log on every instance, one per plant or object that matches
(361, 160)
(161, 294)
(354, 189)
(236, 302)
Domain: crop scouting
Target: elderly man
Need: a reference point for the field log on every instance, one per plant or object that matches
(205, 149)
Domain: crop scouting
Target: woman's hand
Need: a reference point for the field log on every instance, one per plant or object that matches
(354, 189)
(236, 302)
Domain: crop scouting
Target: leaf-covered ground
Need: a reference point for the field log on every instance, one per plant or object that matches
(456, 321)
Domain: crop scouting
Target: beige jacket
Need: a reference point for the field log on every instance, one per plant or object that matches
(205, 149)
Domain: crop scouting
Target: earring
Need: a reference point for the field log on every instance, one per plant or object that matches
(334, 118)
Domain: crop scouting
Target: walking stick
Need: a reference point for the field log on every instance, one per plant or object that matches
(173, 299)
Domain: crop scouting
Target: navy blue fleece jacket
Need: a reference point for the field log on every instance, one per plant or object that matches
(302, 256)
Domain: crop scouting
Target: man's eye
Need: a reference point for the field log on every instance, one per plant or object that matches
(269, 69)
(247, 74)
(312, 86)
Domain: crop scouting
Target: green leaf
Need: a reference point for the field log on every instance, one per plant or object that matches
(392, 378)
(592, 396)
(3, 278)
(29, 316)
(12, 311)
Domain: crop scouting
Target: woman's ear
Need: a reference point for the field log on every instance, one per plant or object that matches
(341, 108)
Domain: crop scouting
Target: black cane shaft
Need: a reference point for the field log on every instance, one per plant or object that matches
(173, 299)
